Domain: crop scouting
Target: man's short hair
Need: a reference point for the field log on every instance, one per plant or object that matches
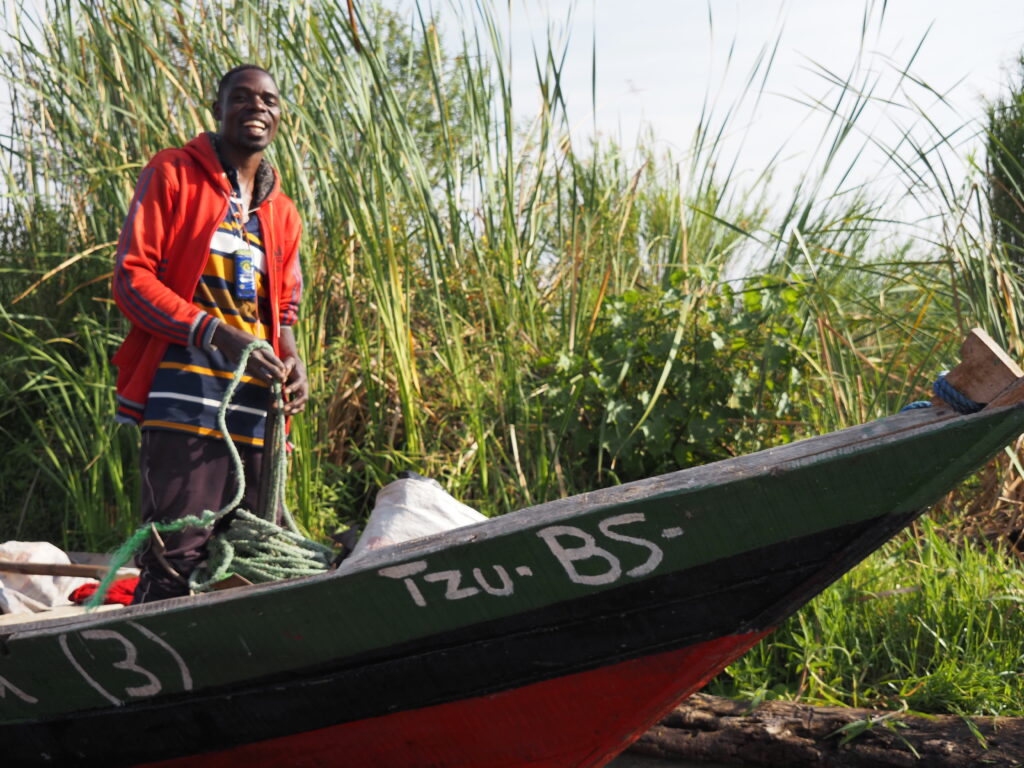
(226, 77)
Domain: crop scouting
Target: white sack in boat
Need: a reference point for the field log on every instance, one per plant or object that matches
(24, 593)
(409, 509)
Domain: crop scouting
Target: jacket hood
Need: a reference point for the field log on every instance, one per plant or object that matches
(203, 151)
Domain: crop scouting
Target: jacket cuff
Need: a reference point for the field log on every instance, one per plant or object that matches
(202, 331)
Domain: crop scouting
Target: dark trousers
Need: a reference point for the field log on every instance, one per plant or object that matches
(182, 475)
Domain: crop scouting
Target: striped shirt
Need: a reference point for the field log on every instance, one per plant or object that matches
(190, 383)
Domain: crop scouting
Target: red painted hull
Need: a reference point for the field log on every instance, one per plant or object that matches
(584, 720)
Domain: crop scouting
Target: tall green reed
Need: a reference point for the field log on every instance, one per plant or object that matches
(471, 278)
(57, 394)
(923, 624)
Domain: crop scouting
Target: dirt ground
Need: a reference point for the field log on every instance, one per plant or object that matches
(707, 730)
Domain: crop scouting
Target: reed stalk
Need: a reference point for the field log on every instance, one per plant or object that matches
(489, 302)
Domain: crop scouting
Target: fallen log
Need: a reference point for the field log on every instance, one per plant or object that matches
(716, 730)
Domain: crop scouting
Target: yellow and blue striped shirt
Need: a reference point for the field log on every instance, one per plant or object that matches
(190, 383)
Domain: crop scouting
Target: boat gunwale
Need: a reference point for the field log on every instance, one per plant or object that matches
(414, 651)
(775, 460)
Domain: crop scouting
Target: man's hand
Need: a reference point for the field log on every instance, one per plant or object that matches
(266, 366)
(296, 389)
(263, 364)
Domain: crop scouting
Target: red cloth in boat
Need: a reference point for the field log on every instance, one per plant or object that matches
(121, 591)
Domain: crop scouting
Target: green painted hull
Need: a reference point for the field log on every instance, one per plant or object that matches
(640, 542)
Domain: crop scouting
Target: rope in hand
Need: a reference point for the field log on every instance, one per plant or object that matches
(253, 547)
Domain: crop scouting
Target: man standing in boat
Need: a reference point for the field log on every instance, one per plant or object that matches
(207, 263)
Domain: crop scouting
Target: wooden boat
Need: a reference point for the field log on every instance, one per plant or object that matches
(553, 636)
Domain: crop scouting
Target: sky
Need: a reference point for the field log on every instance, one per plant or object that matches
(657, 61)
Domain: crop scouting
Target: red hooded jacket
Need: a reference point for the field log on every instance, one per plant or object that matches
(181, 198)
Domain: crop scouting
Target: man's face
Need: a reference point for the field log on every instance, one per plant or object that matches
(249, 110)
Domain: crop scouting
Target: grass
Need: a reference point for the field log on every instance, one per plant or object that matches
(57, 394)
(925, 623)
(518, 316)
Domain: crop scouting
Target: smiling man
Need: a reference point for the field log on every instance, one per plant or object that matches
(207, 263)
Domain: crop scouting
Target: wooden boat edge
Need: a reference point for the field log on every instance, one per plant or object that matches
(773, 461)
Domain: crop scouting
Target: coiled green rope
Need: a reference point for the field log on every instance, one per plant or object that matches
(258, 550)
(252, 547)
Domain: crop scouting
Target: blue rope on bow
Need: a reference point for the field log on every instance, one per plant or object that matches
(960, 402)
(915, 405)
(949, 395)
